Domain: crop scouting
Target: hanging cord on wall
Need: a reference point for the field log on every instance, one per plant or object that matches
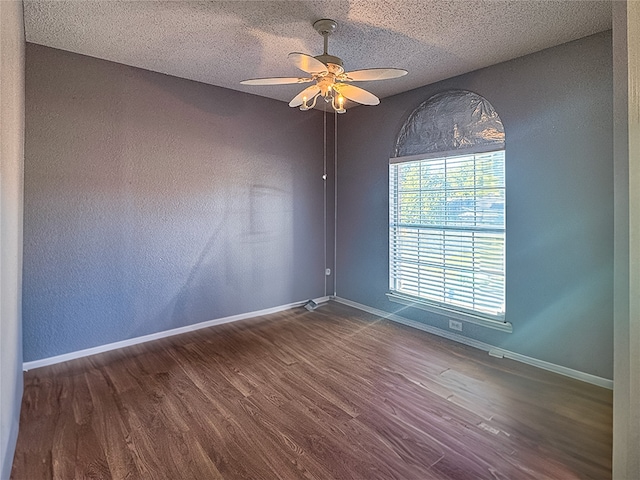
(324, 181)
(335, 200)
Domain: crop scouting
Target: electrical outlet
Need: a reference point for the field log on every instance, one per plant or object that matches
(327, 271)
(455, 325)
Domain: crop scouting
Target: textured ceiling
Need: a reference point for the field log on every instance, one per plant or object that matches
(223, 42)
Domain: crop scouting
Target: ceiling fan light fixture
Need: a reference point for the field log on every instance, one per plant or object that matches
(308, 106)
(331, 81)
(332, 97)
(339, 105)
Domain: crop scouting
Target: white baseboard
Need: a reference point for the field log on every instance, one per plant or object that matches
(166, 333)
(492, 350)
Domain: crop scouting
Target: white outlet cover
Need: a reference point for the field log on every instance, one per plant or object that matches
(455, 325)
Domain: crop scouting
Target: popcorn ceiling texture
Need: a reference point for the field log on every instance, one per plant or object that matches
(224, 42)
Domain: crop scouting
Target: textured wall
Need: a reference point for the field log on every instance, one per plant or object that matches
(11, 164)
(153, 202)
(556, 106)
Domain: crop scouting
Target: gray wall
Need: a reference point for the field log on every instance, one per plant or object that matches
(11, 164)
(153, 202)
(556, 106)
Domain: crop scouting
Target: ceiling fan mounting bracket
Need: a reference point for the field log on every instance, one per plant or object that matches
(325, 26)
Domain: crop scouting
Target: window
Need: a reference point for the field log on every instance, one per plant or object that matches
(447, 210)
(447, 231)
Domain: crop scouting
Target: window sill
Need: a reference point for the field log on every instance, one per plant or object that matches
(465, 317)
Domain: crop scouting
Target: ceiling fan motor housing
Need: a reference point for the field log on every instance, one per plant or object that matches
(330, 59)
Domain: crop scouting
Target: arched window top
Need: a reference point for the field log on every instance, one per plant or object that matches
(447, 199)
(455, 120)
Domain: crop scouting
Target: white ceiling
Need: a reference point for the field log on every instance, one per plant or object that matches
(224, 42)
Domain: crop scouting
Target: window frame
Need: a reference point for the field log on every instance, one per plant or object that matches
(496, 321)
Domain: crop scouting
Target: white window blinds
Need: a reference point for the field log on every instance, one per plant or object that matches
(447, 232)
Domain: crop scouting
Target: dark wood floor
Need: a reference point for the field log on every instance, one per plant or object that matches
(329, 394)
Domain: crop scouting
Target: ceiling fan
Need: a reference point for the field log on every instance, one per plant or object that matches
(330, 81)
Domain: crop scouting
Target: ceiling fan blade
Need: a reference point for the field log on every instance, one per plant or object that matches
(375, 74)
(307, 63)
(275, 81)
(304, 95)
(356, 94)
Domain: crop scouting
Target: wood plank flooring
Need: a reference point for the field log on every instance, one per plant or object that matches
(329, 394)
